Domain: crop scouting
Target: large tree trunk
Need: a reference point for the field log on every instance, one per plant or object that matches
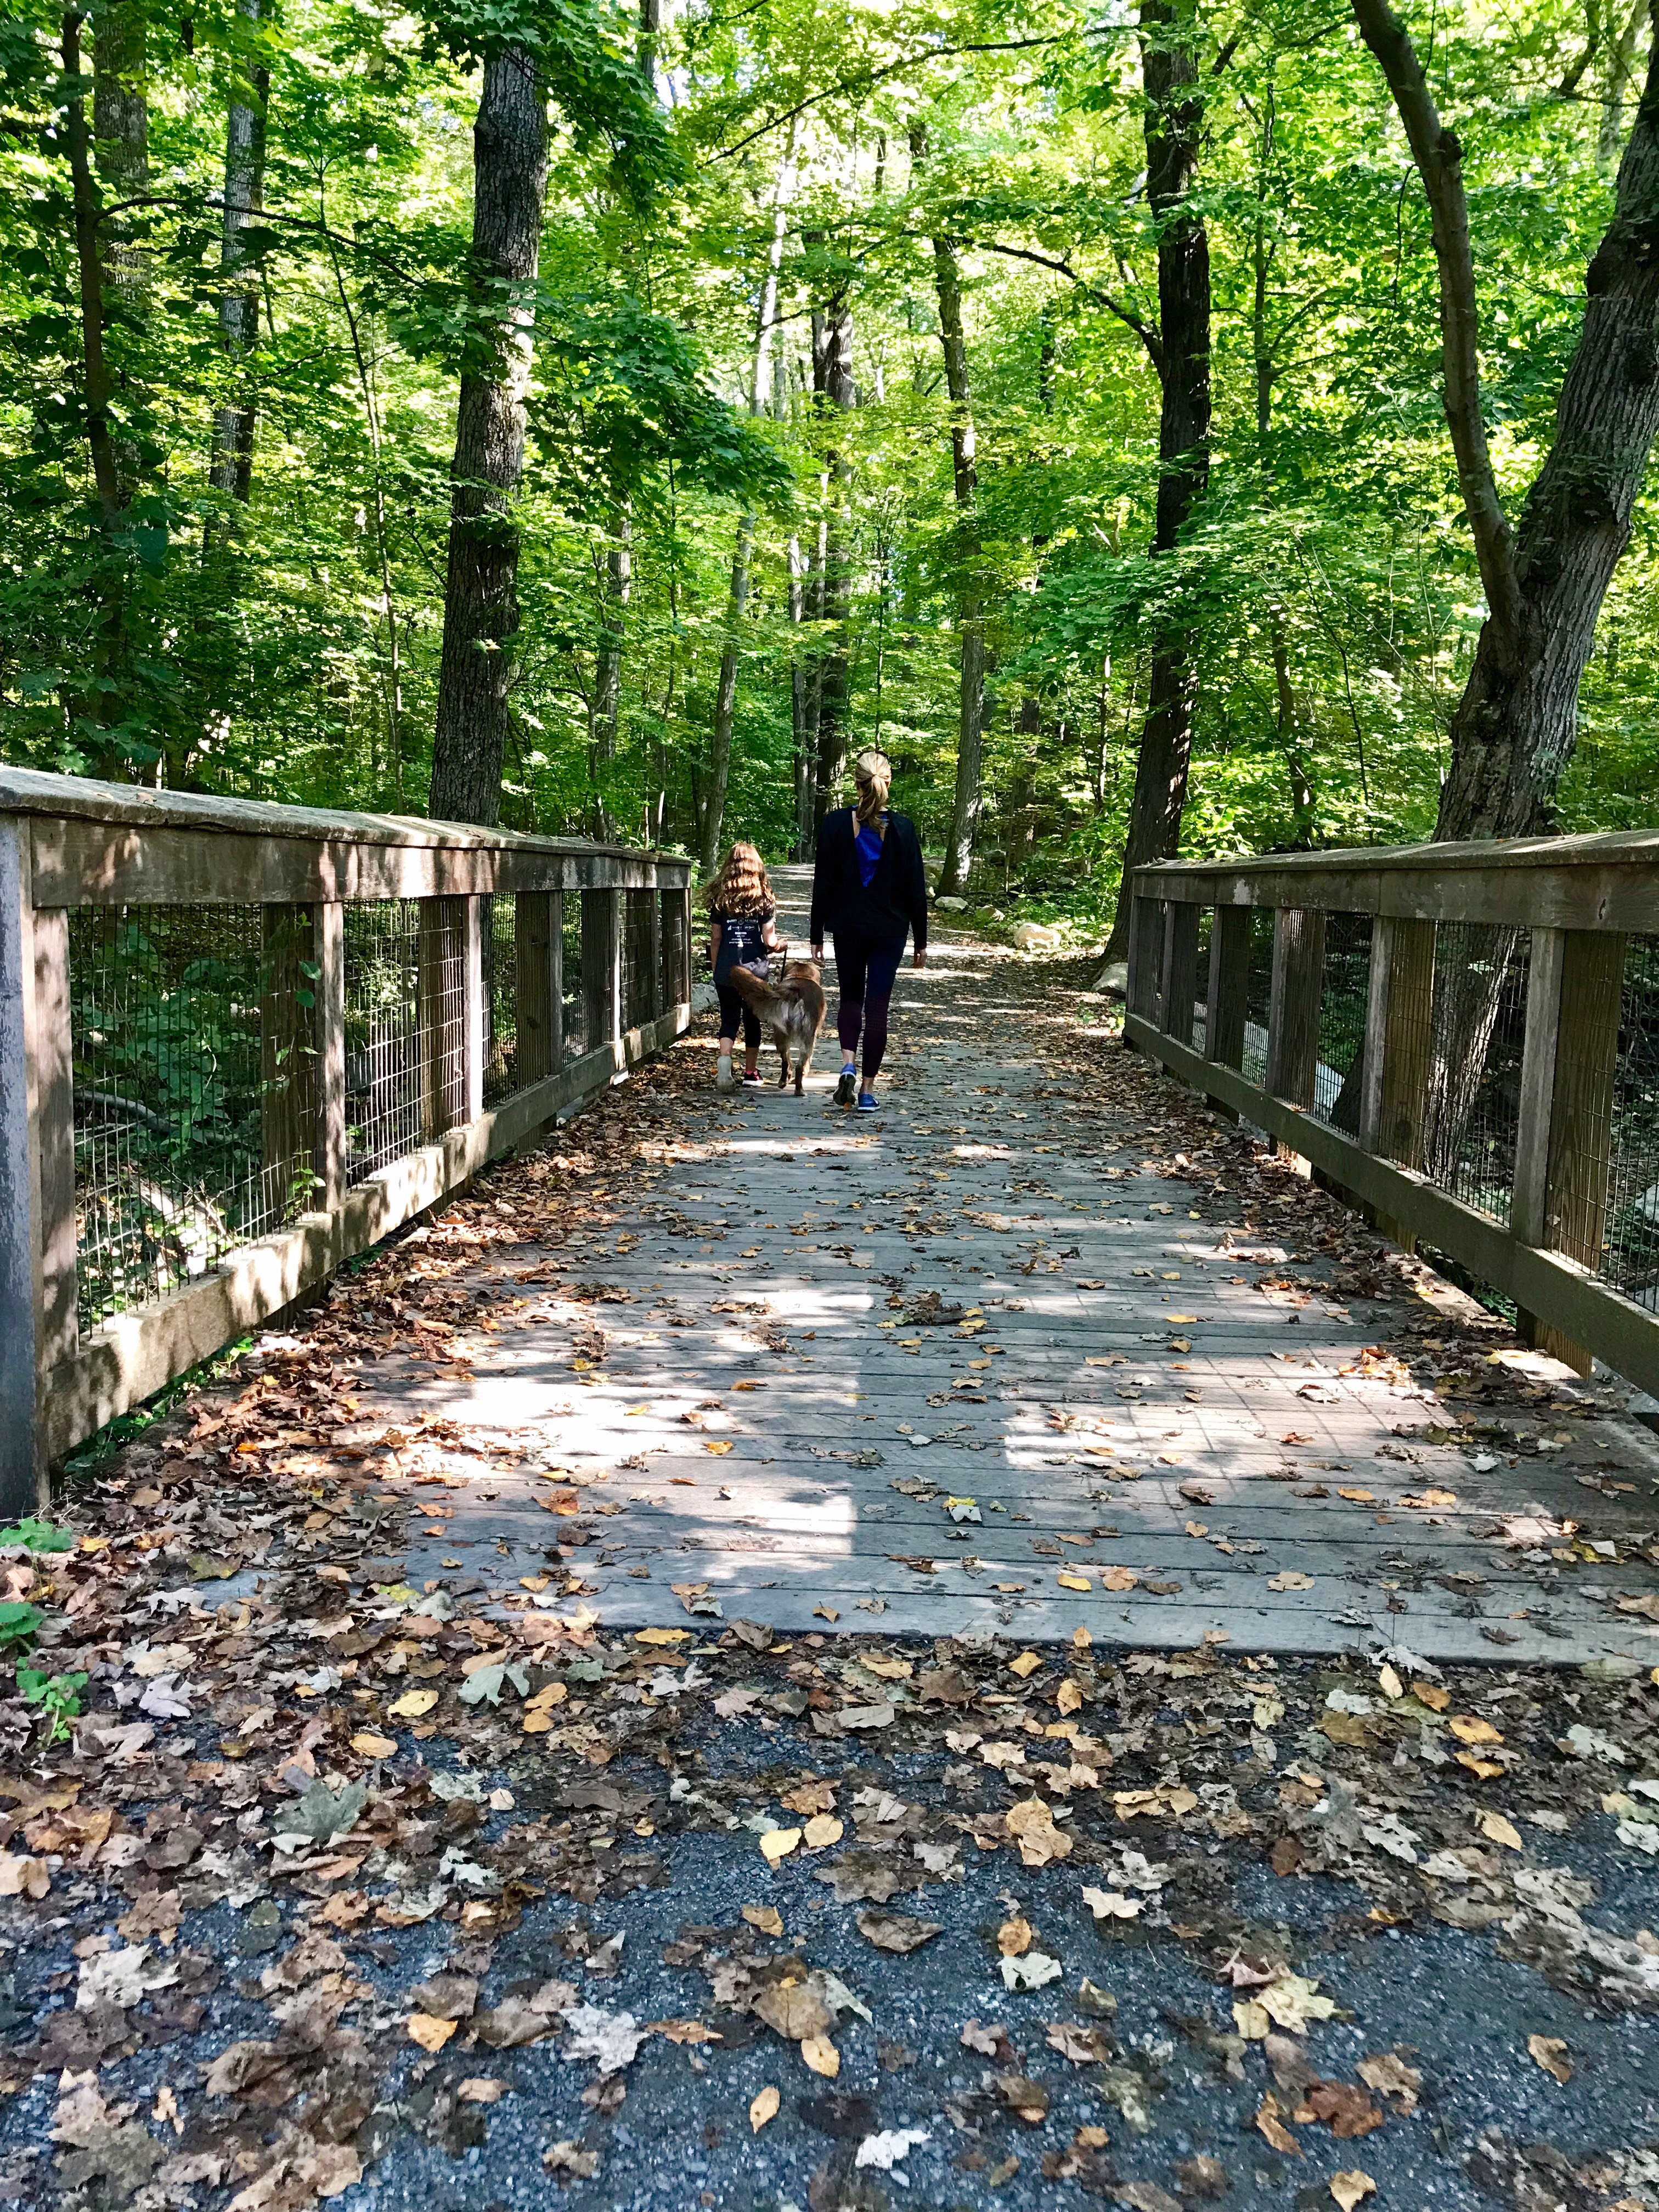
(1174, 125)
(481, 605)
(726, 692)
(1514, 727)
(971, 622)
(802, 715)
(834, 392)
(230, 465)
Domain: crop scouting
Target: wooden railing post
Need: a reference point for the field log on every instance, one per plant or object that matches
(1563, 1144)
(685, 943)
(1178, 985)
(602, 965)
(1227, 1000)
(1298, 977)
(439, 1025)
(1145, 956)
(38, 1314)
(328, 941)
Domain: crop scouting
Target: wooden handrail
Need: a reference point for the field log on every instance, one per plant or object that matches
(1567, 904)
(68, 845)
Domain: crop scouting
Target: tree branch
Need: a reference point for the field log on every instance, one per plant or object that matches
(1439, 160)
(1126, 316)
(865, 81)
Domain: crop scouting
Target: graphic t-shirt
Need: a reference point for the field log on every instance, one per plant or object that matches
(741, 939)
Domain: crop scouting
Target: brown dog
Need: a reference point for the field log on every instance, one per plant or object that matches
(791, 1012)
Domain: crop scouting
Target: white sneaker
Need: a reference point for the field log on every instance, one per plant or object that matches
(723, 1079)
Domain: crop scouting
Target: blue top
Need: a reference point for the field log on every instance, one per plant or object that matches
(867, 845)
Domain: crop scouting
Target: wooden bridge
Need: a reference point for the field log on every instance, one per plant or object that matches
(1031, 1353)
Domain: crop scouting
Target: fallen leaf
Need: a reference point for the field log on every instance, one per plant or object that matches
(1112, 1904)
(1026, 1664)
(1269, 2124)
(1031, 1973)
(430, 2033)
(1549, 2052)
(897, 1931)
(766, 1918)
(413, 1705)
(1496, 1830)
(1014, 1937)
(1468, 1729)
(777, 1844)
(1350, 2187)
(821, 2055)
(764, 2107)
(481, 2089)
(823, 1829)
(1289, 1579)
(1070, 1581)
(369, 1745)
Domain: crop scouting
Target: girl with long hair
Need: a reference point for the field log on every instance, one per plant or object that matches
(870, 892)
(741, 913)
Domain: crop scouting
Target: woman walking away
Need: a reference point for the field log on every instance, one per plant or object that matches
(741, 909)
(869, 892)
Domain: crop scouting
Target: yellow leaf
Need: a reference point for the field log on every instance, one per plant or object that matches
(371, 1746)
(660, 1635)
(551, 1693)
(1347, 2188)
(1119, 1578)
(1388, 1682)
(1070, 1698)
(1290, 1580)
(1359, 1497)
(723, 1445)
(1014, 1937)
(1201, 1528)
(1487, 1769)
(821, 1613)
(822, 2055)
(823, 1829)
(1069, 1581)
(764, 2107)
(1496, 1830)
(766, 1918)
(430, 2033)
(1081, 1639)
(1430, 1694)
(412, 1705)
(1027, 1664)
(777, 1844)
(1467, 1729)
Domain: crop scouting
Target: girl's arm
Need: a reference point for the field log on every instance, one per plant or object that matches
(770, 933)
(714, 943)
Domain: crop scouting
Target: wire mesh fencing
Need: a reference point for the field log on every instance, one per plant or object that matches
(673, 947)
(639, 969)
(574, 999)
(501, 999)
(1258, 995)
(1629, 1256)
(1345, 987)
(193, 1083)
(1471, 1103)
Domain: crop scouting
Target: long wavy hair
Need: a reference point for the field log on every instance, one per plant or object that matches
(742, 886)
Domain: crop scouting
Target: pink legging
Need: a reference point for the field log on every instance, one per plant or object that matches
(865, 974)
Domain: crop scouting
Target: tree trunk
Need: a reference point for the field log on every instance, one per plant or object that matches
(106, 704)
(970, 625)
(833, 393)
(230, 465)
(1621, 69)
(1174, 125)
(726, 692)
(617, 588)
(481, 606)
(802, 723)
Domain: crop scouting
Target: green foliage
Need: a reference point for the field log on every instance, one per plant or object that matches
(57, 1695)
(288, 646)
(38, 1535)
(20, 1622)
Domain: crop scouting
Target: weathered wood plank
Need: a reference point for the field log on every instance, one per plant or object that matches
(1581, 1114)
(21, 1466)
(1178, 985)
(1145, 952)
(1226, 1009)
(1298, 979)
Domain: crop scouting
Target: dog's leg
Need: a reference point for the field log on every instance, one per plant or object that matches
(804, 1068)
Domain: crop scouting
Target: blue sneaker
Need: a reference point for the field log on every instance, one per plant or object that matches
(847, 1086)
(866, 1102)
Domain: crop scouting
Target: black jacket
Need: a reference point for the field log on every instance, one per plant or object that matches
(897, 899)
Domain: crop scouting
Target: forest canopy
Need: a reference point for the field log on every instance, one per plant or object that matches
(606, 420)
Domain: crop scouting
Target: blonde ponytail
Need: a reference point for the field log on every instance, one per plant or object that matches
(873, 772)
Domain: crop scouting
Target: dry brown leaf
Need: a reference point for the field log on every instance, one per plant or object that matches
(777, 1844)
(1549, 2052)
(764, 2107)
(766, 1918)
(1014, 1937)
(1468, 1729)
(1348, 2188)
(1269, 2124)
(430, 2032)
(823, 1829)
(1026, 1664)
(1496, 1830)
(370, 1745)
(821, 2055)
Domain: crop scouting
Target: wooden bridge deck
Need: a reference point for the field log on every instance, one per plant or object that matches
(1155, 1447)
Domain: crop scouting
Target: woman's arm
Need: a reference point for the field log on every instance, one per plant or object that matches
(916, 889)
(820, 886)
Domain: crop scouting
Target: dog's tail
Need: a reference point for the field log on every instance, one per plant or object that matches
(754, 988)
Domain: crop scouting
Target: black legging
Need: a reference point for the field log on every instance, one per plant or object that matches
(865, 973)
